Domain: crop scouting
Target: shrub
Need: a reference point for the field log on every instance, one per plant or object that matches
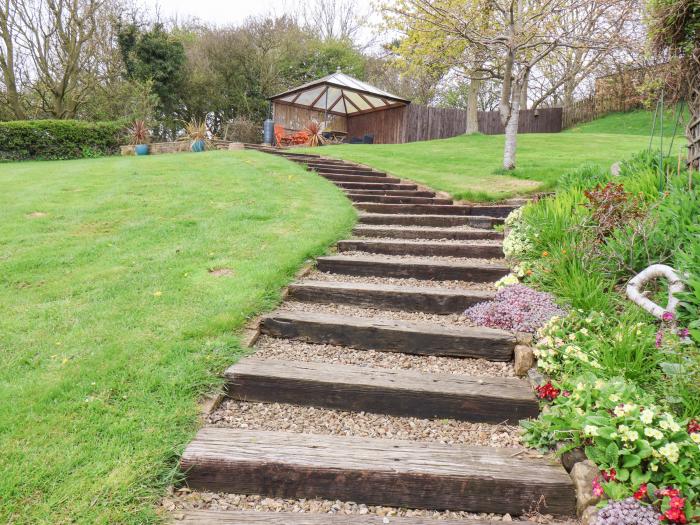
(58, 139)
(516, 307)
(242, 129)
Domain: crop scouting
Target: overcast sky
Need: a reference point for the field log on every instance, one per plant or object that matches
(226, 12)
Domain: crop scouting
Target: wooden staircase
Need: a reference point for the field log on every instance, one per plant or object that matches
(410, 247)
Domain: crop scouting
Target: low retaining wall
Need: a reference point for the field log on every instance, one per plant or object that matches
(181, 146)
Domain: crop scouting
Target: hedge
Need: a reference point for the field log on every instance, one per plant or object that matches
(58, 139)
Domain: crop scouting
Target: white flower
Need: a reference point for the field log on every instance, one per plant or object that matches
(584, 330)
(646, 417)
(507, 281)
(695, 436)
(614, 398)
(590, 430)
(670, 451)
(653, 433)
(572, 337)
(599, 384)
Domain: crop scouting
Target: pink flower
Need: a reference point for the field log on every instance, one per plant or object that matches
(668, 317)
(659, 338)
(598, 491)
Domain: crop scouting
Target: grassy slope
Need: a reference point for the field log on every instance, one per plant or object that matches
(112, 326)
(468, 166)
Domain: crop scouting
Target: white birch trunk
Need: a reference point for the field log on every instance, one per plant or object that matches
(511, 133)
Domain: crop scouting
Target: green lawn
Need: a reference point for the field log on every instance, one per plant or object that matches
(469, 166)
(112, 326)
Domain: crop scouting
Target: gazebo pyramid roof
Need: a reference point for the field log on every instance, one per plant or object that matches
(340, 94)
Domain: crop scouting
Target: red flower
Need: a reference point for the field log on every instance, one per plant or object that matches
(641, 492)
(675, 516)
(671, 493)
(547, 391)
(609, 475)
(597, 488)
(677, 503)
(693, 426)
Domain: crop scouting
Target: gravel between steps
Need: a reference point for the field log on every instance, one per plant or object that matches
(183, 499)
(457, 242)
(418, 227)
(317, 275)
(311, 420)
(427, 258)
(291, 350)
(447, 320)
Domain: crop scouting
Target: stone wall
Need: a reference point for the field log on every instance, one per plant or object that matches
(158, 148)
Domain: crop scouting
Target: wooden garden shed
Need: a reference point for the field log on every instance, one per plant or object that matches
(350, 108)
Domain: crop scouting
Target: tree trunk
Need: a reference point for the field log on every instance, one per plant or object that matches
(523, 92)
(473, 106)
(511, 133)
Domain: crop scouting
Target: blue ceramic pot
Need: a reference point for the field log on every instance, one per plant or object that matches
(141, 149)
(197, 146)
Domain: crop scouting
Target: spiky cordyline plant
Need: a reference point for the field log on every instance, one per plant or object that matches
(196, 130)
(315, 131)
(138, 132)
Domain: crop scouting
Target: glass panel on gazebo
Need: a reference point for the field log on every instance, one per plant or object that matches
(357, 100)
(376, 102)
(329, 98)
(307, 97)
(289, 98)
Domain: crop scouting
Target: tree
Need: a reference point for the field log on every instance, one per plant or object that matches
(339, 20)
(8, 59)
(505, 38)
(59, 39)
(674, 27)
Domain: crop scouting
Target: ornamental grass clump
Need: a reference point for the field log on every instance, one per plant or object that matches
(516, 307)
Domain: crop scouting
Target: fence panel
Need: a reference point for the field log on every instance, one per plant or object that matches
(544, 120)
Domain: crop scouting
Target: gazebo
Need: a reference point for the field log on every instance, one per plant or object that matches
(348, 106)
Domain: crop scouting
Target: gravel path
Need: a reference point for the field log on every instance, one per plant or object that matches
(287, 349)
(447, 320)
(435, 258)
(181, 499)
(311, 420)
(316, 275)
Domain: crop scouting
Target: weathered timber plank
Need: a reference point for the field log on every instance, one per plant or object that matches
(375, 186)
(360, 178)
(382, 391)
(390, 335)
(384, 296)
(429, 220)
(375, 472)
(347, 171)
(393, 193)
(221, 517)
(433, 270)
(473, 250)
(426, 233)
(397, 199)
(437, 209)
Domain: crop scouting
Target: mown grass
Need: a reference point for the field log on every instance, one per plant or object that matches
(112, 325)
(469, 166)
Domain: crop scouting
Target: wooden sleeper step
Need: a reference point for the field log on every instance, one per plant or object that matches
(375, 186)
(397, 199)
(224, 517)
(426, 233)
(483, 251)
(437, 209)
(382, 391)
(387, 335)
(411, 269)
(429, 220)
(360, 178)
(384, 296)
(375, 472)
(393, 193)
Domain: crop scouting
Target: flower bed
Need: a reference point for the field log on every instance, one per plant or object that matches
(625, 387)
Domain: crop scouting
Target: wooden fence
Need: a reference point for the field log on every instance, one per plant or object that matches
(544, 120)
(426, 123)
(694, 146)
(595, 107)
